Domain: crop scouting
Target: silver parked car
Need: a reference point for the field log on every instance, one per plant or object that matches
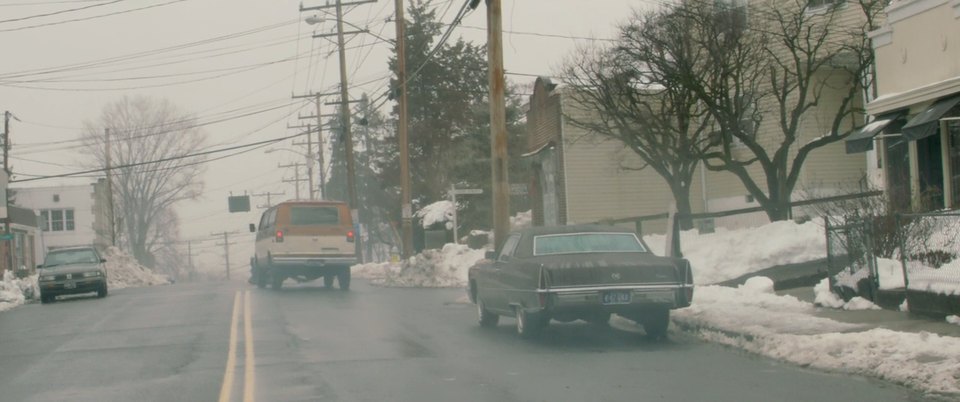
(71, 271)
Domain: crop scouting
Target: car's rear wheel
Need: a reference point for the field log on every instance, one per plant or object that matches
(529, 325)
(485, 317)
(328, 280)
(343, 279)
(277, 281)
(655, 324)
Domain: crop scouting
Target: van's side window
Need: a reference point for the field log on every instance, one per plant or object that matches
(268, 220)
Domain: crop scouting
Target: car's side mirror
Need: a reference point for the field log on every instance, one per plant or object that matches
(103, 260)
(490, 255)
(253, 228)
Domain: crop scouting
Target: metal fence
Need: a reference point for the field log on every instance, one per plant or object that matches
(851, 258)
(929, 245)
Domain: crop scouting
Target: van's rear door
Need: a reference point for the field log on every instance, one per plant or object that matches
(316, 230)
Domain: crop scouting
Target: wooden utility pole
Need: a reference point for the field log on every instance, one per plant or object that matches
(345, 110)
(268, 195)
(110, 219)
(498, 123)
(226, 248)
(406, 209)
(6, 202)
(296, 178)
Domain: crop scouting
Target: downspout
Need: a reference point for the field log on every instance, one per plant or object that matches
(563, 164)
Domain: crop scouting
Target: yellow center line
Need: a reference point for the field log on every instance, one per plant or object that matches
(227, 387)
(249, 371)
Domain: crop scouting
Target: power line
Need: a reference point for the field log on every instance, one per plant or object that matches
(92, 17)
(59, 12)
(173, 158)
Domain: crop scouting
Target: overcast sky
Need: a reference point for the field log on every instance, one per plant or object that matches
(270, 54)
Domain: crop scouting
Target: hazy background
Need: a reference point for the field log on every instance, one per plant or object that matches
(224, 79)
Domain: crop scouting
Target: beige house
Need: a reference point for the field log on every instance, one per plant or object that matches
(916, 129)
(580, 176)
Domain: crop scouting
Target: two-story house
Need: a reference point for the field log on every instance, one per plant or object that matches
(68, 215)
(915, 133)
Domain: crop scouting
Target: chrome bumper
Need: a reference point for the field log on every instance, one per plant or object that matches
(591, 296)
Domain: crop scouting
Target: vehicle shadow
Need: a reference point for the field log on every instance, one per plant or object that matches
(582, 337)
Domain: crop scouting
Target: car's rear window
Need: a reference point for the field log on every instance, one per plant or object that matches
(573, 243)
(315, 215)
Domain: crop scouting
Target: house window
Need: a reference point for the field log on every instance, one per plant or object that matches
(57, 220)
(953, 127)
(819, 5)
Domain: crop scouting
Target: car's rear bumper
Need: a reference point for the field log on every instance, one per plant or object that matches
(591, 298)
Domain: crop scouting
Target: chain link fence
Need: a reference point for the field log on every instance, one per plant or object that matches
(930, 244)
(851, 258)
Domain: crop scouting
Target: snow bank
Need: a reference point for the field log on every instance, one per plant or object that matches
(446, 267)
(14, 291)
(438, 212)
(123, 271)
(729, 254)
(752, 318)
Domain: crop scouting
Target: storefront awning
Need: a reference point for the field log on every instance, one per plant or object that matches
(926, 124)
(862, 140)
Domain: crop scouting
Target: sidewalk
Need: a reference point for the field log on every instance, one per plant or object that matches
(893, 320)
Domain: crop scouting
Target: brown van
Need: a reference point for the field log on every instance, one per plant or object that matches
(305, 240)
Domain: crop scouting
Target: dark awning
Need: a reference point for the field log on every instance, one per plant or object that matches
(862, 140)
(926, 124)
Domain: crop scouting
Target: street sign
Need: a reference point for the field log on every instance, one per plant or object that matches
(6, 236)
(461, 191)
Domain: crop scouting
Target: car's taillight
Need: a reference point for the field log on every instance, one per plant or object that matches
(279, 236)
(350, 237)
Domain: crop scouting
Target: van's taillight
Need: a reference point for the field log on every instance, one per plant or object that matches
(350, 236)
(279, 236)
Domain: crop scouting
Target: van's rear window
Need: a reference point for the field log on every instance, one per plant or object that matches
(314, 215)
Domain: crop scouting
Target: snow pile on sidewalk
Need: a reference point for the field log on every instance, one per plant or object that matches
(14, 291)
(755, 319)
(123, 271)
(729, 254)
(446, 267)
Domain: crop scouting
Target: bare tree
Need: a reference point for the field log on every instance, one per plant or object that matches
(634, 92)
(150, 144)
(804, 57)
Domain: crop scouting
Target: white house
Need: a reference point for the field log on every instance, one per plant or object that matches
(67, 215)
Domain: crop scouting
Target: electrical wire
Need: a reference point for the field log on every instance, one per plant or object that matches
(92, 17)
(29, 17)
(161, 160)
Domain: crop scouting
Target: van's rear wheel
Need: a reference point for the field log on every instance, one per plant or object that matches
(328, 280)
(343, 279)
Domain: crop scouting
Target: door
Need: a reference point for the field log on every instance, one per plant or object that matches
(497, 286)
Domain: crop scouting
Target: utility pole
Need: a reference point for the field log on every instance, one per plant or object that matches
(345, 108)
(319, 116)
(406, 210)
(226, 248)
(498, 123)
(268, 195)
(6, 201)
(110, 220)
(309, 160)
(296, 178)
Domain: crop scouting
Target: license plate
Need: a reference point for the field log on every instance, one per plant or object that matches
(616, 297)
(70, 285)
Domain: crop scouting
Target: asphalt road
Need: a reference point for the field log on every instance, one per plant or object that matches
(172, 343)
